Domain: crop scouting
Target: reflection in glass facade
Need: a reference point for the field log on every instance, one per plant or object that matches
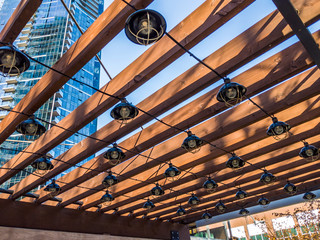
(46, 37)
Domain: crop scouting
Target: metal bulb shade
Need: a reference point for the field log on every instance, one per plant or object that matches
(172, 172)
(193, 200)
(231, 93)
(235, 162)
(192, 143)
(31, 127)
(206, 215)
(53, 188)
(107, 198)
(267, 178)
(124, 111)
(243, 212)
(110, 180)
(181, 211)
(210, 185)
(157, 190)
(309, 152)
(278, 130)
(290, 188)
(148, 205)
(42, 165)
(263, 202)
(241, 194)
(114, 155)
(145, 26)
(309, 196)
(12, 61)
(220, 207)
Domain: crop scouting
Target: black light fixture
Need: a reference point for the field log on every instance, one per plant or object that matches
(106, 199)
(193, 200)
(244, 212)
(210, 185)
(192, 143)
(278, 130)
(241, 195)
(206, 215)
(267, 178)
(264, 202)
(110, 180)
(172, 173)
(309, 196)
(181, 211)
(12, 61)
(290, 188)
(157, 191)
(145, 26)
(235, 162)
(53, 188)
(42, 165)
(220, 207)
(114, 155)
(148, 205)
(309, 152)
(31, 127)
(231, 93)
(124, 111)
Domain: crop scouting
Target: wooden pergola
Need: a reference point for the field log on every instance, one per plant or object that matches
(286, 85)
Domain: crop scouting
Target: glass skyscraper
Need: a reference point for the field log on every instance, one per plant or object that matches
(48, 34)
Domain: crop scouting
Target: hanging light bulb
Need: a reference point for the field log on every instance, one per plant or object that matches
(235, 162)
(231, 93)
(206, 215)
(148, 205)
(124, 111)
(53, 188)
(13, 62)
(241, 195)
(220, 207)
(267, 178)
(114, 155)
(145, 26)
(106, 199)
(181, 211)
(309, 152)
(110, 180)
(278, 130)
(244, 212)
(309, 196)
(31, 127)
(157, 191)
(193, 200)
(290, 188)
(210, 185)
(264, 202)
(42, 166)
(172, 173)
(192, 143)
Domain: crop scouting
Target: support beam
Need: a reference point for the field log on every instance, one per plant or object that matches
(290, 14)
(214, 14)
(52, 218)
(19, 18)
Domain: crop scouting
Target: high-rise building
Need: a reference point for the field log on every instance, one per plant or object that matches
(48, 34)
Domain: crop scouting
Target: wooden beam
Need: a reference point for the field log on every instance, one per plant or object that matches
(210, 16)
(286, 94)
(52, 218)
(102, 31)
(19, 18)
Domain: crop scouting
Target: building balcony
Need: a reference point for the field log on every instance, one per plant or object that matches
(59, 94)
(3, 114)
(26, 30)
(7, 97)
(55, 120)
(11, 81)
(22, 44)
(56, 112)
(9, 89)
(57, 102)
(6, 105)
(24, 37)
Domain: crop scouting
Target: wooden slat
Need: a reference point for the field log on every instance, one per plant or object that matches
(20, 17)
(76, 155)
(107, 26)
(273, 101)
